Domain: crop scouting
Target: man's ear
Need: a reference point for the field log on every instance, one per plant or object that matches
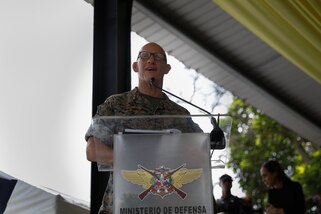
(135, 66)
(168, 68)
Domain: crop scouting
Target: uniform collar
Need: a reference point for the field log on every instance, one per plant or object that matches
(138, 95)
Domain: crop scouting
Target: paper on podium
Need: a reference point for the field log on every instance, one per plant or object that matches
(148, 131)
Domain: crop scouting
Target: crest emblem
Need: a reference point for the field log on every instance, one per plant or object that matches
(161, 181)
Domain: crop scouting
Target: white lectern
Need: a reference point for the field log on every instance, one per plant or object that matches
(162, 164)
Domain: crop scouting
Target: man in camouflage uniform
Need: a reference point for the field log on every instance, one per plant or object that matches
(143, 100)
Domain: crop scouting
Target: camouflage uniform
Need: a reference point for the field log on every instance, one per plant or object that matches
(133, 103)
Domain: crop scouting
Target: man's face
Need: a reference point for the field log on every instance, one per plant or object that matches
(225, 184)
(151, 63)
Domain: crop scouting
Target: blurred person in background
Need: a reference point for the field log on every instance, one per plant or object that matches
(228, 203)
(284, 195)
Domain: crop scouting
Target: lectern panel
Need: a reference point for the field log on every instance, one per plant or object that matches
(162, 173)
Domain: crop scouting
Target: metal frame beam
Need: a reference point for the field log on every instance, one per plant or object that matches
(111, 69)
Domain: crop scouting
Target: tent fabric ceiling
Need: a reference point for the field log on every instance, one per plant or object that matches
(204, 37)
(293, 28)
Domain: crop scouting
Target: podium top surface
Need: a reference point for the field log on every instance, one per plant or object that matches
(184, 123)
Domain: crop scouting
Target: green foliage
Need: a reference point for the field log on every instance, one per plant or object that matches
(310, 174)
(256, 138)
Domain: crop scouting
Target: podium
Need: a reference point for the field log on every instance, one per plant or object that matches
(162, 163)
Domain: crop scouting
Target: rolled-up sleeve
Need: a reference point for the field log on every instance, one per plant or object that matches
(101, 127)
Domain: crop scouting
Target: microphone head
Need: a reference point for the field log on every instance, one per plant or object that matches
(217, 138)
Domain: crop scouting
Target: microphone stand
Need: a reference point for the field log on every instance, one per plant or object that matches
(217, 137)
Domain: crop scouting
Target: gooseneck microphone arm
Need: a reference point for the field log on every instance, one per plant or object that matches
(151, 82)
(217, 137)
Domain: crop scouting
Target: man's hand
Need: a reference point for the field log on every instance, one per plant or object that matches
(96, 151)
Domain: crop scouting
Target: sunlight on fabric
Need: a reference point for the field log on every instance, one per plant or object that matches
(293, 28)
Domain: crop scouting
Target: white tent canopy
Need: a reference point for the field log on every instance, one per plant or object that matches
(26, 198)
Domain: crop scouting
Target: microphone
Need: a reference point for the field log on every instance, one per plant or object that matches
(217, 137)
